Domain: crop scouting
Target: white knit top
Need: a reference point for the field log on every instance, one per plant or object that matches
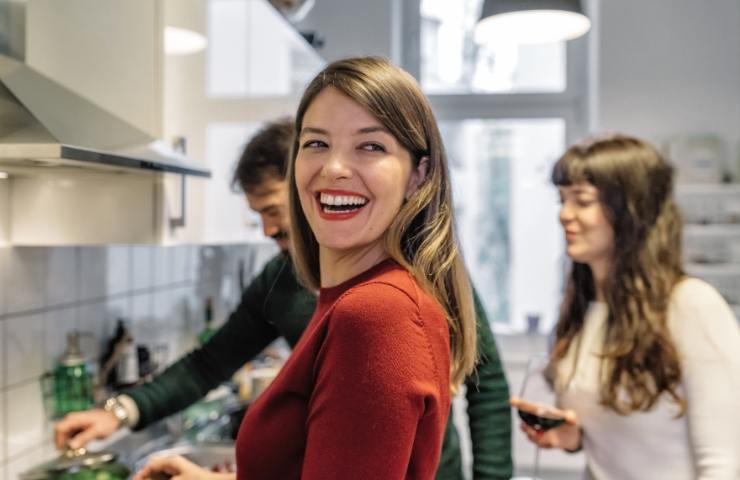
(654, 445)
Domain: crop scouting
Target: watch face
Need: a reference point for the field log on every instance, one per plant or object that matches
(113, 405)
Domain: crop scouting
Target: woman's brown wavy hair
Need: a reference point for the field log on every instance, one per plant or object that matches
(422, 237)
(635, 185)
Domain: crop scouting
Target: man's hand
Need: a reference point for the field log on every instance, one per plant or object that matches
(566, 436)
(178, 468)
(78, 428)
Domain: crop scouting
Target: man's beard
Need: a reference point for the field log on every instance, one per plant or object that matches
(281, 235)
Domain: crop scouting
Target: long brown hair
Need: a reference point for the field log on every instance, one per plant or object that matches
(635, 186)
(421, 237)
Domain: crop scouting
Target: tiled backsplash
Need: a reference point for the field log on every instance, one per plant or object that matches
(45, 292)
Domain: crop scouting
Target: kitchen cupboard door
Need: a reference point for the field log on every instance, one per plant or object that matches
(108, 51)
(4, 212)
(62, 207)
(251, 68)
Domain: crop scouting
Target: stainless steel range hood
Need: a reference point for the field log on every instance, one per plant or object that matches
(44, 123)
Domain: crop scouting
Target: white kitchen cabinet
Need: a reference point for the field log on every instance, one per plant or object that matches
(712, 236)
(108, 51)
(253, 69)
(112, 52)
(4, 212)
(72, 206)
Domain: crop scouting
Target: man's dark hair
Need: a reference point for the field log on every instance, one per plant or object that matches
(265, 156)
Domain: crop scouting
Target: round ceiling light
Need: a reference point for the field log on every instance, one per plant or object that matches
(180, 41)
(530, 22)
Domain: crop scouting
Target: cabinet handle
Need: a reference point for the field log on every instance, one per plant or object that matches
(177, 222)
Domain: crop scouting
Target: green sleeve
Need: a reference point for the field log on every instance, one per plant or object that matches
(246, 333)
(489, 412)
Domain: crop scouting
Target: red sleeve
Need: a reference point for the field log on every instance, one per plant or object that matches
(373, 377)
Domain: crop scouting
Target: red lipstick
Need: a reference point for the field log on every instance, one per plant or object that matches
(338, 215)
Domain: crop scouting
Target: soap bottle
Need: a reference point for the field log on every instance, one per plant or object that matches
(208, 330)
(73, 388)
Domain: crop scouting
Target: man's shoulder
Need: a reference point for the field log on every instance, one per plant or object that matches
(276, 267)
(276, 262)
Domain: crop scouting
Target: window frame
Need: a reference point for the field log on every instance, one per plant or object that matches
(575, 106)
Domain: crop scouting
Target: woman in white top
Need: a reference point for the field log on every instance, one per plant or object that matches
(646, 362)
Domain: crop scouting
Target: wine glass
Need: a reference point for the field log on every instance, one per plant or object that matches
(537, 410)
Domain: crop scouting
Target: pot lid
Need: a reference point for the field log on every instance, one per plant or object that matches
(70, 460)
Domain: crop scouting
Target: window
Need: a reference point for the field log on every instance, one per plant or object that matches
(506, 113)
(453, 63)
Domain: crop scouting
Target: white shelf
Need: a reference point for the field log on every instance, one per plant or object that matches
(712, 189)
(713, 269)
(712, 230)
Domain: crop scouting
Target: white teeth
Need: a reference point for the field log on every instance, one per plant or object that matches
(327, 199)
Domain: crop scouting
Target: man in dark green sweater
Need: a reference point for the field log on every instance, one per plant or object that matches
(275, 305)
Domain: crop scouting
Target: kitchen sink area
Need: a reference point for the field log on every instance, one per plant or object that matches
(204, 434)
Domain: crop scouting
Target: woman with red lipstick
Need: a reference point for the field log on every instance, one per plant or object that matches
(646, 359)
(366, 392)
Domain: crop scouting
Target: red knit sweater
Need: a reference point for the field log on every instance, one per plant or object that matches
(365, 393)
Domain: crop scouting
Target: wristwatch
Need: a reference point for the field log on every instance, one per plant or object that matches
(115, 407)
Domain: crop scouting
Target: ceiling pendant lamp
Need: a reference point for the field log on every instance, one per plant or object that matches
(530, 21)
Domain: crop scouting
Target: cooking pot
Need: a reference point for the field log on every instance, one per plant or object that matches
(79, 464)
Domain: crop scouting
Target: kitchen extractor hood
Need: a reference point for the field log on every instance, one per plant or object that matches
(43, 123)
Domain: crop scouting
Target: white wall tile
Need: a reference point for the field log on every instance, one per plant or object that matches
(115, 309)
(3, 367)
(28, 460)
(213, 260)
(92, 319)
(3, 357)
(4, 275)
(142, 267)
(62, 285)
(187, 311)
(92, 272)
(159, 328)
(163, 306)
(163, 265)
(2, 428)
(26, 419)
(26, 280)
(141, 316)
(24, 344)
(180, 257)
(193, 263)
(186, 322)
(58, 323)
(118, 269)
(39, 277)
(263, 254)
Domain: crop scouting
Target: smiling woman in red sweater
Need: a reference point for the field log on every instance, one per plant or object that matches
(366, 391)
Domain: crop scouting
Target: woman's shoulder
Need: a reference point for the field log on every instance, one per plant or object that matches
(388, 295)
(698, 312)
(393, 287)
(694, 293)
